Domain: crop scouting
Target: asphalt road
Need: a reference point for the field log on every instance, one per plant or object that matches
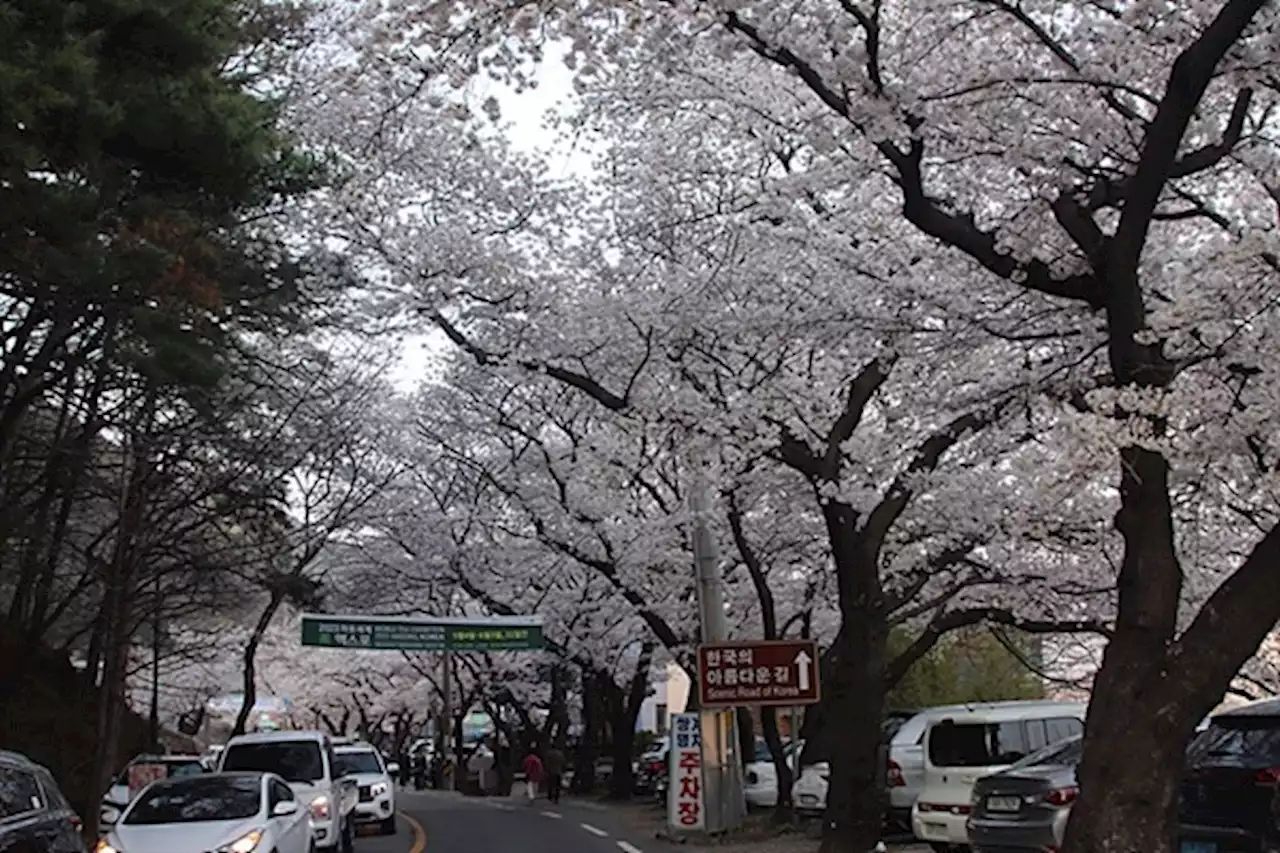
(455, 824)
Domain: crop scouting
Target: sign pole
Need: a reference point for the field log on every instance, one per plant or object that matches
(446, 724)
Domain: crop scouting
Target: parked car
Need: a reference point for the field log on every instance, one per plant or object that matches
(962, 748)
(233, 812)
(166, 766)
(307, 762)
(1026, 806)
(376, 793)
(34, 815)
(1227, 799)
(760, 782)
(904, 767)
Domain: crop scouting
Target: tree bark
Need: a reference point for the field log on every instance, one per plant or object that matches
(855, 693)
(781, 767)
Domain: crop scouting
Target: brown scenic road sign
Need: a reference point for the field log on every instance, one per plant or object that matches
(780, 672)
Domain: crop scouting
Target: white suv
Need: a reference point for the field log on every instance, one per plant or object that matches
(377, 794)
(307, 762)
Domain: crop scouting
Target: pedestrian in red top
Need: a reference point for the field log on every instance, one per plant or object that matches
(533, 772)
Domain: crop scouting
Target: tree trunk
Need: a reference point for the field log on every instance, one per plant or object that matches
(622, 780)
(746, 736)
(854, 697)
(250, 683)
(781, 767)
(584, 759)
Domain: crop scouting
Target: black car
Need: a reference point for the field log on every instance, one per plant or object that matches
(1229, 800)
(34, 815)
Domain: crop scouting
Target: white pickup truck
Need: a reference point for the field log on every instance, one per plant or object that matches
(306, 761)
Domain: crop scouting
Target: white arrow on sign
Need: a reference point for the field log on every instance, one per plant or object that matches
(802, 666)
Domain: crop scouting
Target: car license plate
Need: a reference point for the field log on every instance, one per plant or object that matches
(808, 800)
(1198, 847)
(1003, 804)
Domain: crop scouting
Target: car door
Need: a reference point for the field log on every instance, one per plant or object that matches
(295, 830)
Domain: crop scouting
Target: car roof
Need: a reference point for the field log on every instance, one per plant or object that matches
(349, 748)
(279, 737)
(205, 778)
(9, 756)
(1003, 711)
(1260, 708)
(148, 758)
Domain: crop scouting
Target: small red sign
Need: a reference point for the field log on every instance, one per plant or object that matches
(769, 672)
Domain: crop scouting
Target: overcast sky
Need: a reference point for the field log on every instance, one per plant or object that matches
(523, 114)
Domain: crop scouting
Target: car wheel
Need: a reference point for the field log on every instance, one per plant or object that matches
(389, 826)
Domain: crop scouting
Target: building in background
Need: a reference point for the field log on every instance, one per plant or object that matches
(670, 696)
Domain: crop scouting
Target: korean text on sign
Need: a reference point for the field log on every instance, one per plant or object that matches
(686, 800)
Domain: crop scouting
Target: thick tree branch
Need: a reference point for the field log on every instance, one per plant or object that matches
(593, 389)
(861, 390)
(1234, 621)
(955, 619)
(927, 457)
(756, 571)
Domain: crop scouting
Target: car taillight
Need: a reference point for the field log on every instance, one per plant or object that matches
(1269, 776)
(895, 775)
(938, 807)
(1062, 796)
(76, 823)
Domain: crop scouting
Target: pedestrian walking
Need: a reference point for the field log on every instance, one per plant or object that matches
(533, 772)
(555, 774)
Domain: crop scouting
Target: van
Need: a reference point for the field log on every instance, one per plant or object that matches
(982, 740)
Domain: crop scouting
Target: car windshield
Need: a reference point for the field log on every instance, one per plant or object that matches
(976, 744)
(1251, 742)
(1063, 754)
(295, 760)
(197, 799)
(364, 761)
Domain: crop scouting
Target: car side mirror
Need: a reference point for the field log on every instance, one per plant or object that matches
(108, 816)
(284, 808)
(393, 768)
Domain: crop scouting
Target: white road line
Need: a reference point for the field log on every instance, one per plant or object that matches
(553, 815)
(594, 830)
(629, 848)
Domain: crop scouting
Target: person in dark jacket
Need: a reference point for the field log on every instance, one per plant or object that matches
(554, 764)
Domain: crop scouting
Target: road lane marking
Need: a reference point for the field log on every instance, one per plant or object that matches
(596, 831)
(629, 848)
(553, 815)
(419, 835)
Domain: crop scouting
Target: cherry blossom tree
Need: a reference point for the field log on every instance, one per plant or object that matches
(1114, 163)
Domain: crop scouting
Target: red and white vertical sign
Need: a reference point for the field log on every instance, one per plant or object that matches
(685, 800)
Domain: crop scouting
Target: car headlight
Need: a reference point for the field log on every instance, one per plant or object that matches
(104, 847)
(377, 789)
(246, 843)
(320, 808)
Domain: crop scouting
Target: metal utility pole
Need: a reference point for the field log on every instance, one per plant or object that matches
(722, 767)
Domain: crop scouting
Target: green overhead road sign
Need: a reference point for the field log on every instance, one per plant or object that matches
(480, 634)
